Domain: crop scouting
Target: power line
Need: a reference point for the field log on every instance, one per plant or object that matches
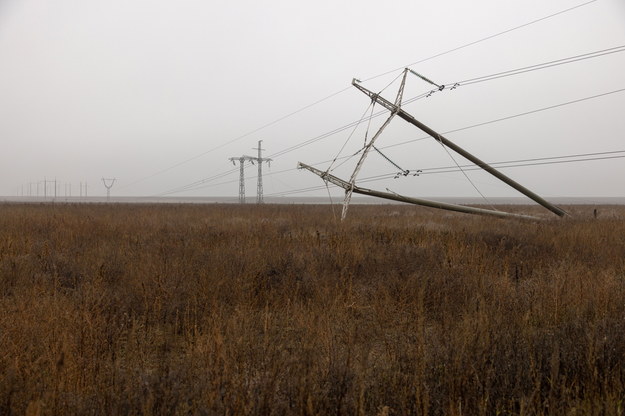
(249, 133)
(536, 111)
(195, 185)
(552, 160)
(544, 65)
(521, 70)
(504, 165)
(467, 82)
(483, 39)
(279, 119)
(616, 154)
(490, 77)
(512, 164)
(325, 135)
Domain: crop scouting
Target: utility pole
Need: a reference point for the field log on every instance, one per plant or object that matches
(251, 159)
(108, 183)
(45, 187)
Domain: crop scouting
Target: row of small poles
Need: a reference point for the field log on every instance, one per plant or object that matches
(51, 188)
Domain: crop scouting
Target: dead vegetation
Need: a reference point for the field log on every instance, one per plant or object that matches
(245, 310)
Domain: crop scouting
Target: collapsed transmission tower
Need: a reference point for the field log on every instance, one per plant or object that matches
(252, 160)
(395, 109)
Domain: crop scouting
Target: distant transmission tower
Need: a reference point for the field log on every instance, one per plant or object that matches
(252, 159)
(108, 183)
(259, 186)
(81, 191)
(242, 161)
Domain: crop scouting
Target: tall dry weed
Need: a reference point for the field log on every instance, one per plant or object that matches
(226, 309)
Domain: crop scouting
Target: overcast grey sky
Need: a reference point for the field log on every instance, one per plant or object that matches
(132, 88)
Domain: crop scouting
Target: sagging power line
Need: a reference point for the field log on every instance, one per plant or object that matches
(453, 169)
(490, 77)
(207, 182)
(329, 96)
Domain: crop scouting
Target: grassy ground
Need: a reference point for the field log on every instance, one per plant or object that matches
(246, 310)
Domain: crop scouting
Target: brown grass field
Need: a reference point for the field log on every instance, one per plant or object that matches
(279, 310)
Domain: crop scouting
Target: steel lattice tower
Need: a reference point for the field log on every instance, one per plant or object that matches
(260, 160)
(241, 161)
(108, 183)
(251, 159)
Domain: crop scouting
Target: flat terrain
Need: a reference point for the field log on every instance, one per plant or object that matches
(246, 310)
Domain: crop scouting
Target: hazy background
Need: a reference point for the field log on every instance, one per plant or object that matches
(131, 89)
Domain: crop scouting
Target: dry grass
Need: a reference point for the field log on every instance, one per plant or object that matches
(245, 310)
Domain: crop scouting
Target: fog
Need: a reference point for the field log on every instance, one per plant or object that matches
(159, 95)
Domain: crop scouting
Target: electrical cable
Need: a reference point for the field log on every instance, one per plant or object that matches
(249, 133)
(331, 202)
(538, 162)
(539, 159)
(463, 172)
(371, 106)
(423, 95)
(481, 40)
(338, 130)
(349, 87)
(512, 164)
(615, 154)
(194, 185)
(426, 137)
(402, 171)
(320, 137)
(455, 170)
(536, 111)
(347, 158)
(543, 65)
(490, 77)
